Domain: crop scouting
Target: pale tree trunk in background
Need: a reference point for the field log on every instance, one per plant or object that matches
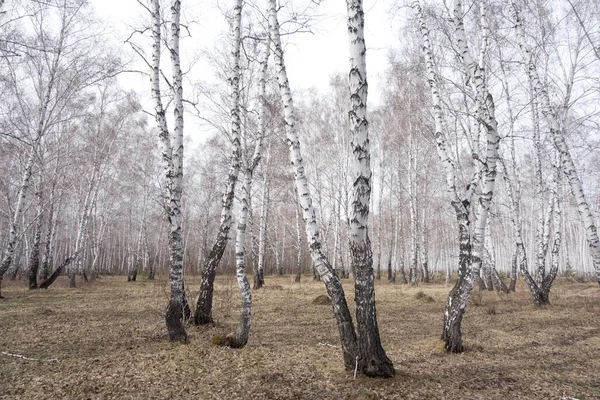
(298, 275)
(559, 141)
(399, 253)
(82, 230)
(513, 182)
(203, 313)
(259, 274)
(49, 238)
(172, 156)
(34, 255)
(470, 253)
(390, 271)
(259, 280)
(424, 249)
(320, 262)
(380, 216)
(495, 281)
(372, 360)
(488, 260)
(392, 231)
(414, 231)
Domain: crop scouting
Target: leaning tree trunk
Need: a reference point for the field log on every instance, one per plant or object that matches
(560, 143)
(470, 251)
(203, 313)
(320, 262)
(457, 301)
(372, 360)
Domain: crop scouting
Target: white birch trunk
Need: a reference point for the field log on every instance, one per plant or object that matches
(331, 280)
(414, 232)
(372, 360)
(172, 156)
(559, 142)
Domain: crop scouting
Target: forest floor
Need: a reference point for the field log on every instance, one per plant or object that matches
(107, 340)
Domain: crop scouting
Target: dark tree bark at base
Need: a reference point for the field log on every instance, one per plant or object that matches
(452, 335)
(174, 317)
(372, 360)
(46, 284)
(33, 278)
(203, 315)
(259, 280)
(297, 277)
(344, 322)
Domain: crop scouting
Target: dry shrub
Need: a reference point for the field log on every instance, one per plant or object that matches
(476, 298)
(322, 300)
(425, 298)
(273, 287)
(491, 310)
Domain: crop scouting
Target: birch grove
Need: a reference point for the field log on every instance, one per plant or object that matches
(463, 162)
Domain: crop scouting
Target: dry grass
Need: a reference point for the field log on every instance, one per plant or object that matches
(109, 342)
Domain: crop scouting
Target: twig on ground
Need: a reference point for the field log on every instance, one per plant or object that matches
(328, 345)
(27, 358)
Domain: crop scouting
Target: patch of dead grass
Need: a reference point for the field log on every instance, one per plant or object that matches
(110, 340)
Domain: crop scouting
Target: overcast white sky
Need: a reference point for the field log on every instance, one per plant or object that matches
(311, 58)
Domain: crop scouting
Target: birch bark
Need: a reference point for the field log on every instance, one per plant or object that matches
(372, 360)
(320, 262)
(172, 157)
(203, 313)
(471, 244)
(240, 337)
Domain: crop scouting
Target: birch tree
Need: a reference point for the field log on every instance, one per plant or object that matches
(471, 243)
(372, 360)
(320, 262)
(560, 143)
(203, 313)
(240, 337)
(172, 158)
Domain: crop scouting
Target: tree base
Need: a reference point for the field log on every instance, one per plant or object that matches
(174, 320)
(378, 367)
